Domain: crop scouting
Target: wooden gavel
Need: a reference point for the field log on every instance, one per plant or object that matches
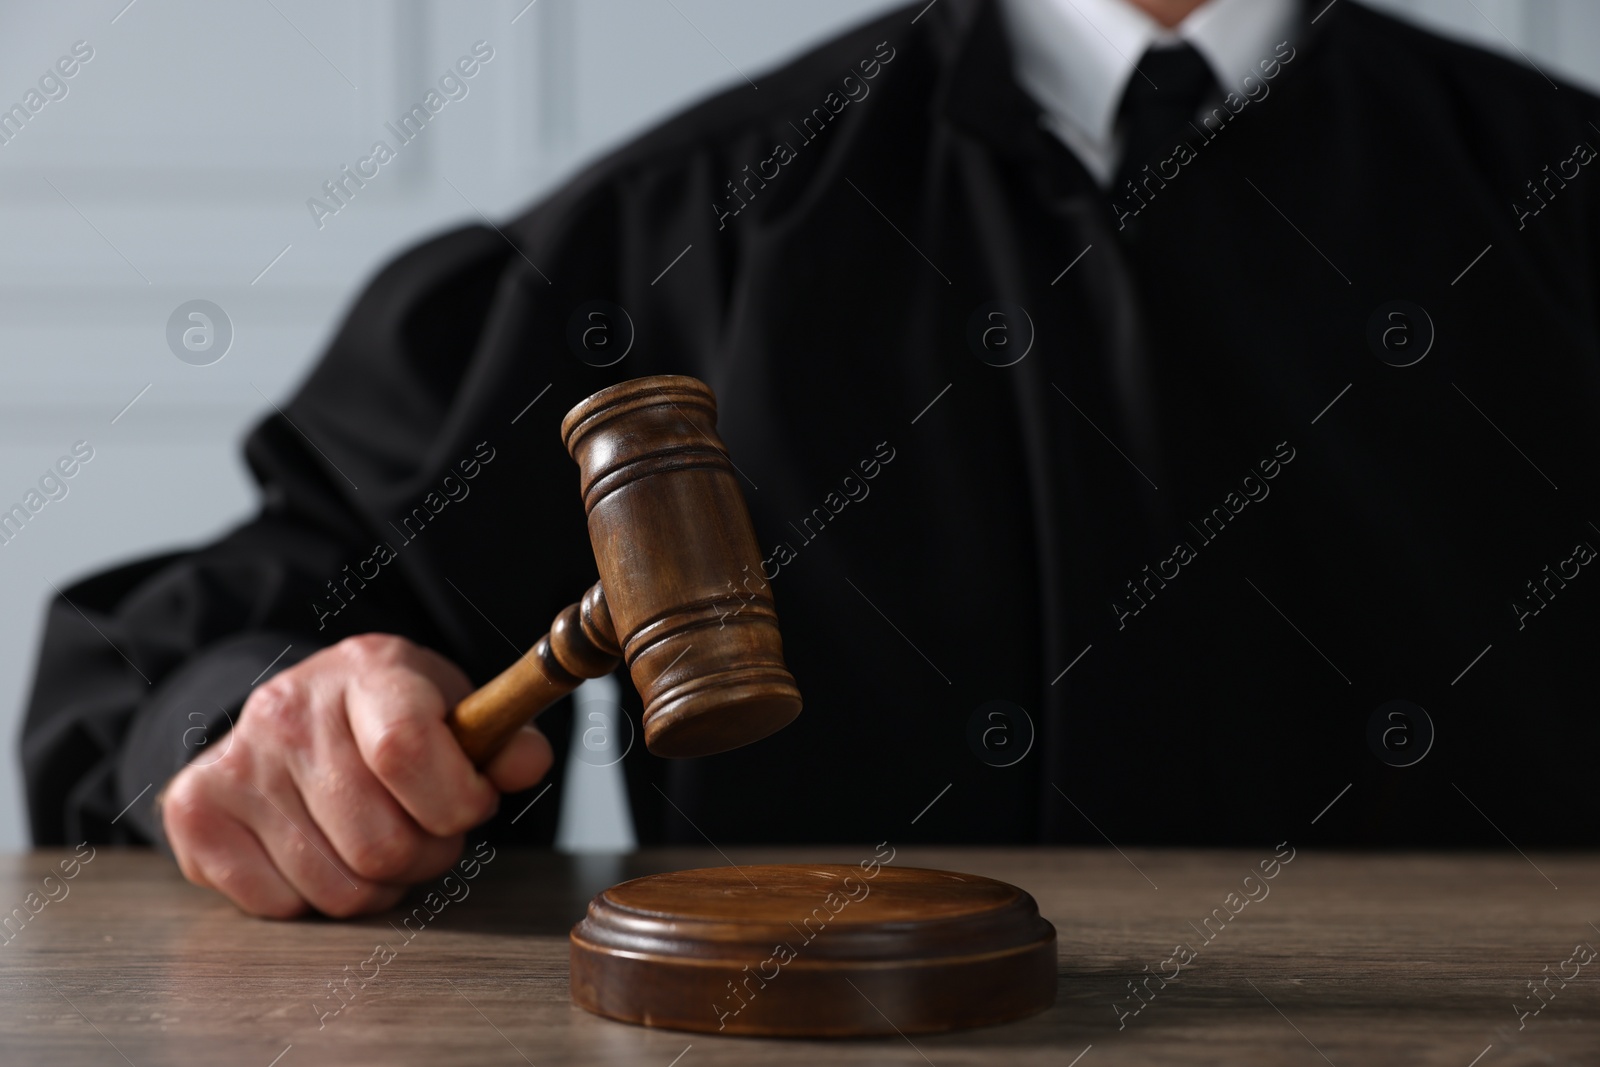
(677, 554)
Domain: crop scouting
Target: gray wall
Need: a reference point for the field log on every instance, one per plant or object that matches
(177, 167)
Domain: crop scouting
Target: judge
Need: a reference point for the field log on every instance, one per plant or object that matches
(1226, 373)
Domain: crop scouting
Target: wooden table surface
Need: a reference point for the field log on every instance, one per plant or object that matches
(1348, 959)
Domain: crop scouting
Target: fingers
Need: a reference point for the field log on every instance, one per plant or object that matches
(240, 869)
(397, 719)
(367, 828)
(342, 785)
(216, 851)
(453, 684)
(303, 856)
(524, 761)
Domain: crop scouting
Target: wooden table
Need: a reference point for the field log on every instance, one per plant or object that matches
(1349, 959)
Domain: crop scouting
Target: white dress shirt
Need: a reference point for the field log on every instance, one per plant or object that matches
(1074, 57)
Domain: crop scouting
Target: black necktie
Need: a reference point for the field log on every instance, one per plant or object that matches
(1158, 106)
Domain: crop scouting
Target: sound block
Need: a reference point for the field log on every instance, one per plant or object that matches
(814, 951)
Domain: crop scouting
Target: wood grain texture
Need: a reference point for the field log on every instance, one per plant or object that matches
(814, 950)
(581, 644)
(680, 565)
(1373, 959)
(681, 595)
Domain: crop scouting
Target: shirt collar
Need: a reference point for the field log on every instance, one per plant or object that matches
(1075, 56)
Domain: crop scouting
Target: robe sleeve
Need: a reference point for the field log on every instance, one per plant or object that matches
(145, 666)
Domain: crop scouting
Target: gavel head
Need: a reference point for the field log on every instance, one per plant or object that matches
(680, 567)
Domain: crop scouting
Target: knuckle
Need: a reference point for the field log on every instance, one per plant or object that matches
(278, 707)
(383, 857)
(372, 650)
(398, 752)
(233, 773)
(187, 812)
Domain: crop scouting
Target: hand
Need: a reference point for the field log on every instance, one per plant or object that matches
(341, 785)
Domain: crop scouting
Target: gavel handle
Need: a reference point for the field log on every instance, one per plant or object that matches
(581, 644)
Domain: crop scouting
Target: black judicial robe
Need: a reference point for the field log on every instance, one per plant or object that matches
(1203, 531)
